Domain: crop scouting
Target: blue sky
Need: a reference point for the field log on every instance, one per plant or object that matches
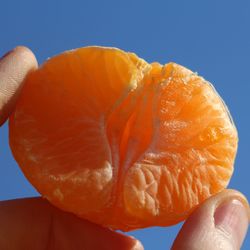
(210, 37)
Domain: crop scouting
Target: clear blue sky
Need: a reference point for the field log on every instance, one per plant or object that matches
(210, 37)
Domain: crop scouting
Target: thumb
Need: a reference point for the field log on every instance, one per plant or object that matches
(221, 222)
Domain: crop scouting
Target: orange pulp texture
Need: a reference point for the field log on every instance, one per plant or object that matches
(118, 141)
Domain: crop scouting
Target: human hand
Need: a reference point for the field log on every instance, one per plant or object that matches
(219, 223)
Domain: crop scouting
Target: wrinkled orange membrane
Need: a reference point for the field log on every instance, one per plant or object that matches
(118, 141)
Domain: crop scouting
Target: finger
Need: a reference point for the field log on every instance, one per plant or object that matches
(35, 224)
(221, 222)
(14, 67)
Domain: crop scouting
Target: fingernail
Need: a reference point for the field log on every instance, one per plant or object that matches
(231, 218)
(6, 54)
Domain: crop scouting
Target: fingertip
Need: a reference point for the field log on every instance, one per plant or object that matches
(230, 194)
(218, 223)
(20, 53)
(137, 245)
(27, 55)
(84, 233)
(14, 67)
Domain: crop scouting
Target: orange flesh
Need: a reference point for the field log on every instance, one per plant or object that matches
(123, 143)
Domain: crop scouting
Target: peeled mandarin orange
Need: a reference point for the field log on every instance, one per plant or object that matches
(120, 142)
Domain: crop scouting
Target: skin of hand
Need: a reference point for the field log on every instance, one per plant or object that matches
(221, 222)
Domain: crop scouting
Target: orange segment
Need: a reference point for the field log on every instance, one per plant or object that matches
(123, 143)
(182, 166)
